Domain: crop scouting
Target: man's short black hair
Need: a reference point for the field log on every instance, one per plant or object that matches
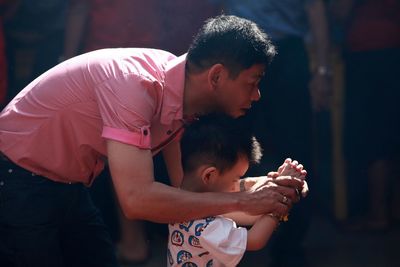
(218, 140)
(235, 42)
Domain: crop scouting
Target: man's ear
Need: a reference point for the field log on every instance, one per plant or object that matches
(215, 74)
(208, 174)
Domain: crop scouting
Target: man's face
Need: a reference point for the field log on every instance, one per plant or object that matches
(226, 181)
(235, 96)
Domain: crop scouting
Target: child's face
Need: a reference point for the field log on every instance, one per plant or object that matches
(226, 181)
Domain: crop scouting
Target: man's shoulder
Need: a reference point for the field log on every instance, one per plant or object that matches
(118, 62)
(153, 58)
(142, 54)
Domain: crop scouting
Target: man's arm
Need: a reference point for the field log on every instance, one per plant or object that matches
(172, 159)
(141, 197)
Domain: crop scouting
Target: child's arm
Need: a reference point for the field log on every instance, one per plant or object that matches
(259, 234)
(242, 218)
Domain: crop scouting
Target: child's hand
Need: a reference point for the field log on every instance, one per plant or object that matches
(296, 171)
(293, 169)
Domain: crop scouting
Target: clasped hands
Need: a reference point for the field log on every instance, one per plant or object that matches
(288, 183)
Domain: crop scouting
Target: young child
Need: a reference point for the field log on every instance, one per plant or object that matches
(216, 153)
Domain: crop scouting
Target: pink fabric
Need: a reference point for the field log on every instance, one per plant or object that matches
(57, 125)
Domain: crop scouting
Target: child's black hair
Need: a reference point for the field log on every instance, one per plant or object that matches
(218, 140)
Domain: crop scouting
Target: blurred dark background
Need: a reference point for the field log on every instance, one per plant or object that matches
(329, 99)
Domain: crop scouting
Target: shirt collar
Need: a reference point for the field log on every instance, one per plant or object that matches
(172, 106)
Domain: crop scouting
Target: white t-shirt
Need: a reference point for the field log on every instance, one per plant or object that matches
(213, 241)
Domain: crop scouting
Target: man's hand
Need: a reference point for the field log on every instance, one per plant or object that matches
(268, 198)
(286, 185)
(288, 181)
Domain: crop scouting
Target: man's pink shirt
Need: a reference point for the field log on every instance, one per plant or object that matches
(58, 125)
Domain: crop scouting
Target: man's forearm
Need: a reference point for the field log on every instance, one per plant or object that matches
(165, 204)
(172, 159)
(141, 197)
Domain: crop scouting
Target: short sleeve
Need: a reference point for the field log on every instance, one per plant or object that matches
(127, 105)
(225, 242)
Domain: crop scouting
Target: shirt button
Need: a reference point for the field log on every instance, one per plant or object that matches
(1, 183)
(145, 132)
(10, 170)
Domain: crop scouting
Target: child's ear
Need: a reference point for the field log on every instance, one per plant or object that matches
(208, 174)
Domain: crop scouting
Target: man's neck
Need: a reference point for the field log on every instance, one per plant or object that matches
(197, 98)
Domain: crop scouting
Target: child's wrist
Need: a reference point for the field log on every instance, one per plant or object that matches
(273, 217)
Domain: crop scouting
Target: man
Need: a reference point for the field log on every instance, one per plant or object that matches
(124, 105)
